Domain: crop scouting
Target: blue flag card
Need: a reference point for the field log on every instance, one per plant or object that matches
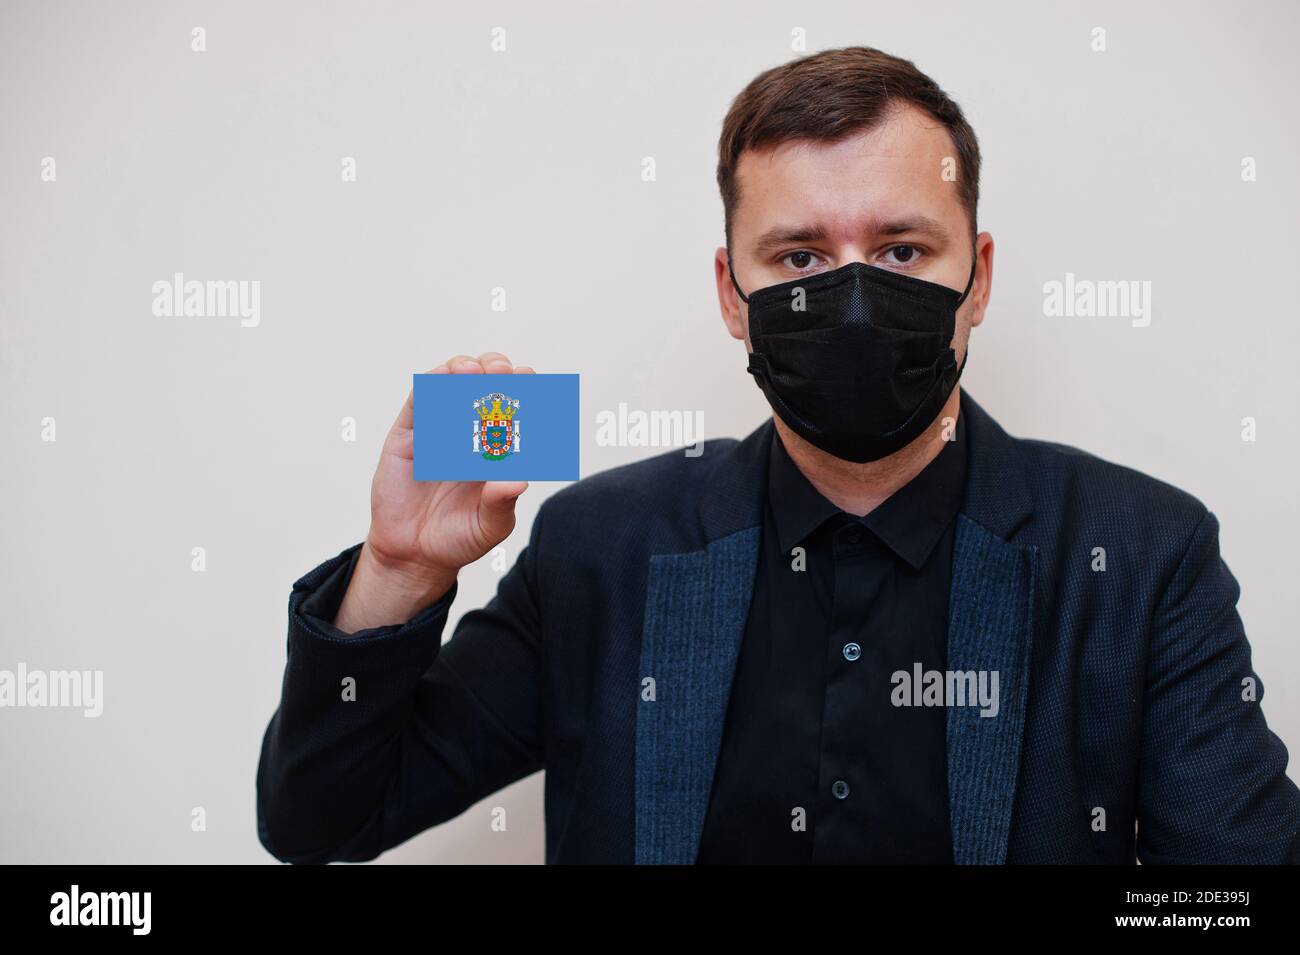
(496, 427)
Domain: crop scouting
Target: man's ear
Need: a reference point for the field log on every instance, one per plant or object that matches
(734, 313)
(983, 286)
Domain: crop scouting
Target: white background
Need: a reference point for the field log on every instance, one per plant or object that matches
(522, 169)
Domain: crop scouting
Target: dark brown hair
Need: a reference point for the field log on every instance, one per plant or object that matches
(833, 94)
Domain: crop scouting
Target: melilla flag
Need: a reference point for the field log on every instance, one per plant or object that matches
(496, 427)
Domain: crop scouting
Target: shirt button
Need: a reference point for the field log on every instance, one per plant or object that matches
(852, 651)
(840, 789)
(854, 536)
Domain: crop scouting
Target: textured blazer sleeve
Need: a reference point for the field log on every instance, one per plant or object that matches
(1212, 784)
(433, 728)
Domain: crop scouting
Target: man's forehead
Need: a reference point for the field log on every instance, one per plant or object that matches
(898, 162)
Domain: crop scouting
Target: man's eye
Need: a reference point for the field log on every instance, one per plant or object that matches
(904, 254)
(799, 260)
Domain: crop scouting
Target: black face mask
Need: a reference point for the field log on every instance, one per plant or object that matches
(865, 366)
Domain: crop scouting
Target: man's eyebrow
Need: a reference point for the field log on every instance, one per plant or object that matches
(918, 225)
(782, 236)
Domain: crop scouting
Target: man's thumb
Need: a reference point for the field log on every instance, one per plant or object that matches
(500, 496)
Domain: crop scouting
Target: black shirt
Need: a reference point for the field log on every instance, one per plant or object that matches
(811, 732)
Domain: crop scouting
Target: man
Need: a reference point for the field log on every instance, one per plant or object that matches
(877, 629)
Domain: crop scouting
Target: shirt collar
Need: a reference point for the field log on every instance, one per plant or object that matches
(909, 522)
(798, 508)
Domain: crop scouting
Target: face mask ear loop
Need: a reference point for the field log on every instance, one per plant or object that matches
(970, 282)
(736, 285)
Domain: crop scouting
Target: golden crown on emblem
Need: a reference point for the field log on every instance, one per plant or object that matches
(496, 407)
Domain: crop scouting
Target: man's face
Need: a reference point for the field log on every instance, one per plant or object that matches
(879, 197)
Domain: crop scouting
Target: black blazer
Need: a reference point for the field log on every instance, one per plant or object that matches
(606, 658)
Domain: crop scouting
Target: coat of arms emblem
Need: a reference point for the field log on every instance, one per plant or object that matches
(496, 426)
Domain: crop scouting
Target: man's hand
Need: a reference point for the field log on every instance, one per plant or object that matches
(422, 533)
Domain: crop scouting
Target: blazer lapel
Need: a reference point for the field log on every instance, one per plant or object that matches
(990, 631)
(697, 604)
(696, 607)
